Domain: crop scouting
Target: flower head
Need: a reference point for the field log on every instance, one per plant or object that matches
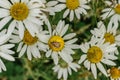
(29, 44)
(112, 12)
(63, 69)
(71, 6)
(22, 14)
(114, 73)
(96, 53)
(61, 45)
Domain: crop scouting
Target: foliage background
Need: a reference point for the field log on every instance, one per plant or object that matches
(41, 69)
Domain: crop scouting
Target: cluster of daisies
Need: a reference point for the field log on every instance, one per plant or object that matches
(22, 25)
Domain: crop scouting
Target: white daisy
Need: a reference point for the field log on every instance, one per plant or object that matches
(114, 73)
(29, 44)
(113, 11)
(96, 53)
(71, 6)
(109, 34)
(63, 69)
(5, 51)
(61, 45)
(21, 14)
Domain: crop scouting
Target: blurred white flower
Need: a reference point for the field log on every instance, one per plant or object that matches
(63, 69)
(114, 73)
(71, 7)
(5, 50)
(113, 12)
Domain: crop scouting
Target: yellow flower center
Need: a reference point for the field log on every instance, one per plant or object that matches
(94, 54)
(29, 39)
(56, 43)
(117, 9)
(72, 4)
(115, 73)
(109, 38)
(19, 11)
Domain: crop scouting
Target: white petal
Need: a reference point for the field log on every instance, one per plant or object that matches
(69, 70)
(5, 4)
(35, 51)
(25, 1)
(2, 65)
(71, 15)
(22, 51)
(29, 53)
(48, 53)
(64, 30)
(30, 27)
(4, 13)
(71, 41)
(83, 57)
(11, 27)
(77, 13)
(94, 71)
(60, 7)
(4, 21)
(7, 56)
(55, 58)
(69, 36)
(14, 1)
(66, 13)
(65, 74)
(19, 46)
(21, 29)
(108, 62)
(65, 56)
(101, 68)
(43, 38)
(87, 64)
(60, 73)
(51, 3)
(4, 39)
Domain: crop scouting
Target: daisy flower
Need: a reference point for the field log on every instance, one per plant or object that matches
(113, 12)
(96, 54)
(5, 51)
(61, 45)
(109, 34)
(29, 44)
(114, 73)
(22, 14)
(63, 69)
(71, 6)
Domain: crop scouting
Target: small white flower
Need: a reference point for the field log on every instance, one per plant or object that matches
(113, 11)
(114, 73)
(29, 44)
(64, 69)
(71, 7)
(61, 45)
(109, 34)
(5, 51)
(21, 14)
(96, 53)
